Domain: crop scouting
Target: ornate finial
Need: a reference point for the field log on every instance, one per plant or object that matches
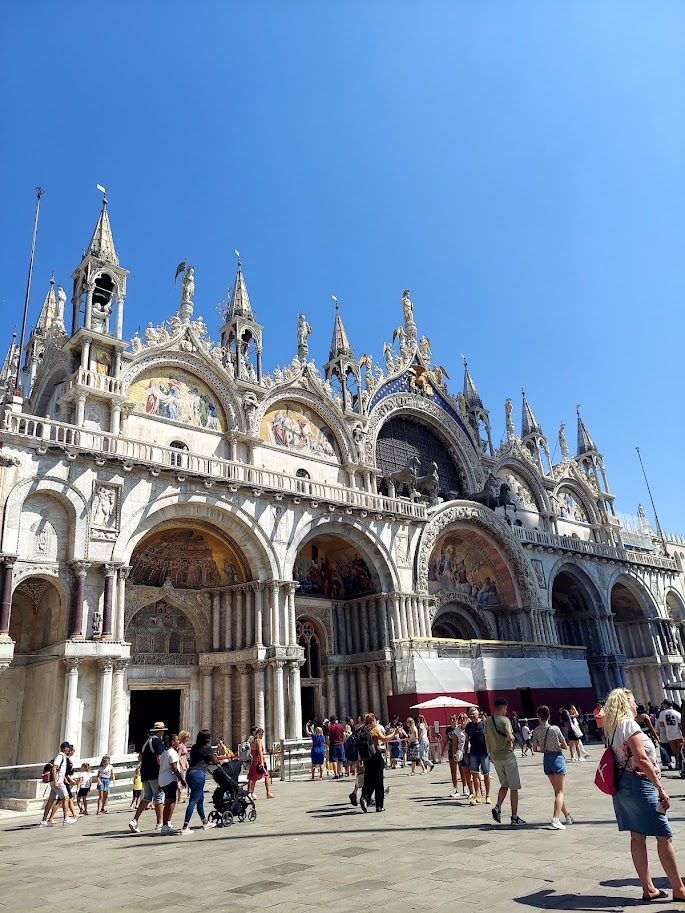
(104, 194)
(466, 364)
(337, 306)
(237, 253)
(577, 408)
(52, 278)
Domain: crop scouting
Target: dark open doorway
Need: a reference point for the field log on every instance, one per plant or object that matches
(527, 702)
(308, 704)
(150, 707)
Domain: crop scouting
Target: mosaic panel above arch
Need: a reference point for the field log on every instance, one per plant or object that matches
(161, 634)
(191, 558)
(328, 566)
(568, 506)
(458, 565)
(298, 429)
(526, 508)
(179, 396)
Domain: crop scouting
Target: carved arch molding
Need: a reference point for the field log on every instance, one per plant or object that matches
(196, 605)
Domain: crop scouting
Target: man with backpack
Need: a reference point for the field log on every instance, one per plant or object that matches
(54, 773)
(368, 745)
(151, 754)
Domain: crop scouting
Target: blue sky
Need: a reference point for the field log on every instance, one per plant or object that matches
(518, 166)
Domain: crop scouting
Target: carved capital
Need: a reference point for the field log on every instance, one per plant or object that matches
(72, 663)
(110, 569)
(80, 568)
(244, 669)
(105, 664)
(206, 671)
(9, 560)
(121, 665)
(278, 663)
(227, 672)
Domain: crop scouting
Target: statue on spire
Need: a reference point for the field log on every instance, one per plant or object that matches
(563, 444)
(408, 309)
(58, 321)
(187, 290)
(303, 331)
(508, 421)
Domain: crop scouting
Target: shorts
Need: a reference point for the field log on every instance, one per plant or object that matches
(465, 762)
(103, 785)
(152, 792)
(635, 806)
(136, 793)
(554, 763)
(57, 793)
(170, 791)
(479, 762)
(336, 753)
(508, 773)
(83, 791)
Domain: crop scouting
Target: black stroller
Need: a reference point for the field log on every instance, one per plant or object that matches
(230, 799)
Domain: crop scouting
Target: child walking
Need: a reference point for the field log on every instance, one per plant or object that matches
(105, 777)
(85, 781)
(137, 787)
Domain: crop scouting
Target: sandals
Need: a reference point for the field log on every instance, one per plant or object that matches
(660, 896)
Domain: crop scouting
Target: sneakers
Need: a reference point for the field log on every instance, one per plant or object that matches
(133, 827)
(45, 823)
(497, 814)
(363, 804)
(454, 794)
(208, 825)
(516, 820)
(68, 821)
(556, 824)
(185, 830)
(158, 827)
(168, 831)
(475, 800)
(353, 799)
(569, 820)
(488, 800)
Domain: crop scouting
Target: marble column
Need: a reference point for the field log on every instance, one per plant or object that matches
(227, 721)
(294, 701)
(374, 623)
(363, 676)
(258, 612)
(120, 626)
(6, 598)
(379, 706)
(71, 700)
(279, 700)
(76, 620)
(407, 613)
(402, 609)
(275, 617)
(364, 616)
(104, 706)
(346, 609)
(343, 704)
(259, 719)
(108, 600)
(249, 615)
(216, 621)
(396, 620)
(355, 609)
(353, 703)
(239, 613)
(291, 589)
(386, 680)
(383, 620)
(245, 710)
(421, 616)
(227, 607)
(206, 697)
(413, 601)
(118, 722)
(332, 708)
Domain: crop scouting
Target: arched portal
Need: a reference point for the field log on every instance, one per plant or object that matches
(39, 616)
(312, 640)
(455, 621)
(402, 439)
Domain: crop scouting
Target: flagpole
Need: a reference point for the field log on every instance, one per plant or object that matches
(656, 515)
(17, 384)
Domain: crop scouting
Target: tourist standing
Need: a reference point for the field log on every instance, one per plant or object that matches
(499, 739)
(526, 745)
(58, 790)
(551, 742)
(201, 756)
(577, 729)
(669, 730)
(463, 762)
(413, 751)
(106, 776)
(84, 780)
(598, 714)
(137, 787)
(336, 747)
(424, 743)
(171, 782)
(152, 751)
(640, 802)
(479, 760)
(258, 769)
(183, 739)
(452, 727)
(318, 754)
(369, 746)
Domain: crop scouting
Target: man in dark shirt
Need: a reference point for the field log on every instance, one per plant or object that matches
(153, 749)
(336, 747)
(479, 760)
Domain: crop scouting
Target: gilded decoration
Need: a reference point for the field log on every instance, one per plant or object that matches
(330, 567)
(178, 396)
(458, 566)
(295, 427)
(189, 558)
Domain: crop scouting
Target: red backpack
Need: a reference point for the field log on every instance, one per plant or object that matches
(606, 777)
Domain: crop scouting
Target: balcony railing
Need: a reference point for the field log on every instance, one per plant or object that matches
(103, 383)
(31, 430)
(597, 549)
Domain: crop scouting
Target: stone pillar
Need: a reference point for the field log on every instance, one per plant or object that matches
(342, 693)
(249, 615)
(259, 719)
(396, 620)
(216, 621)
(258, 612)
(294, 701)
(118, 723)
(227, 710)
(383, 620)
(292, 638)
(408, 614)
(332, 708)
(346, 609)
(6, 598)
(206, 697)
(364, 614)
(386, 680)
(422, 617)
(363, 675)
(379, 705)
(227, 600)
(279, 698)
(104, 706)
(402, 611)
(71, 700)
(355, 608)
(374, 624)
(353, 703)
(124, 571)
(276, 620)
(76, 620)
(414, 606)
(108, 601)
(238, 614)
(80, 410)
(245, 721)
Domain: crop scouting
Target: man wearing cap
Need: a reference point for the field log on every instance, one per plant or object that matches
(668, 728)
(152, 751)
(58, 790)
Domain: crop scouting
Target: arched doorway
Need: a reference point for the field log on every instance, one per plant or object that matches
(404, 438)
(454, 621)
(310, 638)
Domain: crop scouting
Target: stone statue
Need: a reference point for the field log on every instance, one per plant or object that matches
(563, 444)
(378, 371)
(103, 506)
(251, 373)
(187, 292)
(463, 405)
(303, 331)
(163, 333)
(59, 307)
(359, 436)
(136, 344)
(175, 324)
(100, 315)
(389, 363)
(278, 375)
(425, 348)
(151, 337)
(97, 623)
(407, 307)
(509, 422)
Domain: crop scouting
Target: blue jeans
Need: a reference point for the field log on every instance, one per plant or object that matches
(196, 782)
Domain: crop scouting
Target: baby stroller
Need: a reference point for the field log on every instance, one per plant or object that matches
(230, 799)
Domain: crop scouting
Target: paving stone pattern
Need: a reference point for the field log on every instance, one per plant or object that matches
(309, 850)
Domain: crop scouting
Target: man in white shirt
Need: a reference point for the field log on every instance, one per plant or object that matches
(58, 790)
(668, 727)
(170, 777)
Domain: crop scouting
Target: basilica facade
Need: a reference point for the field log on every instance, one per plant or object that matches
(188, 537)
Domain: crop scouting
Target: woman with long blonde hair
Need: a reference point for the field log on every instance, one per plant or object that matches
(640, 802)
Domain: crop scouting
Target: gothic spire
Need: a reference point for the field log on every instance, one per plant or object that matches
(47, 312)
(239, 305)
(471, 395)
(529, 423)
(585, 442)
(340, 344)
(9, 367)
(102, 243)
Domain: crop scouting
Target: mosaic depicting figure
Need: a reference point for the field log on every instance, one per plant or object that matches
(185, 558)
(458, 567)
(568, 508)
(519, 491)
(299, 430)
(334, 574)
(180, 397)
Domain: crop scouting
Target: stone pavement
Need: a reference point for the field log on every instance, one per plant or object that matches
(309, 850)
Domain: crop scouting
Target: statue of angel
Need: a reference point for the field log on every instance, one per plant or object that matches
(425, 348)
